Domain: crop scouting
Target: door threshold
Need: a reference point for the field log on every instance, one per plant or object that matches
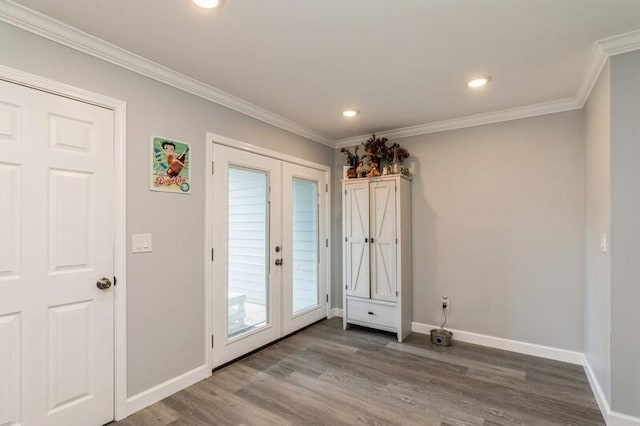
(226, 364)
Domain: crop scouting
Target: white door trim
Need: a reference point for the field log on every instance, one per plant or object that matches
(119, 109)
(244, 146)
(212, 138)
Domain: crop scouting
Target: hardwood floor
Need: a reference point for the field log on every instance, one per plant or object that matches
(327, 376)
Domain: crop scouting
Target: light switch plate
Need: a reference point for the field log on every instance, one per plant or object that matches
(141, 243)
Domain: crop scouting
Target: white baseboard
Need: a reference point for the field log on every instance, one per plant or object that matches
(619, 419)
(157, 393)
(601, 398)
(612, 418)
(335, 312)
(541, 351)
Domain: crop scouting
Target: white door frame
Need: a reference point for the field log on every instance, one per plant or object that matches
(119, 109)
(212, 138)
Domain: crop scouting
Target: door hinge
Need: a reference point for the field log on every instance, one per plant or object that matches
(345, 192)
(326, 243)
(326, 187)
(397, 293)
(213, 167)
(327, 298)
(212, 340)
(396, 241)
(212, 254)
(115, 281)
(345, 239)
(346, 287)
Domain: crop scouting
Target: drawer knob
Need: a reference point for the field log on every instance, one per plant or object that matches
(371, 313)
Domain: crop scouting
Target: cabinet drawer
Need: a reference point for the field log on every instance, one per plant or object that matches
(371, 312)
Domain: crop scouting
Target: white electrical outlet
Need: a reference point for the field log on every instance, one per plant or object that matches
(446, 303)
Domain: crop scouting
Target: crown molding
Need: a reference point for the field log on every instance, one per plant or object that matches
(597, 59)
(621, 43)
(602, 50)
(49, 28)
(469, 121)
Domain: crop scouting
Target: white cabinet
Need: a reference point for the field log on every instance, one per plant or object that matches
(377, 253)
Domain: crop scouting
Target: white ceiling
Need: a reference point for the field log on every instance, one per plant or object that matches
(400, 62)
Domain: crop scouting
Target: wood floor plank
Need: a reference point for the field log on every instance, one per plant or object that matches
(325, 375)
(473, 367)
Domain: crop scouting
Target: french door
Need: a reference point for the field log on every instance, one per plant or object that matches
(269, 250)
(304, 278)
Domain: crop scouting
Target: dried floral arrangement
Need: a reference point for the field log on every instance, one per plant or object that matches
(352, 159)
(376, 151)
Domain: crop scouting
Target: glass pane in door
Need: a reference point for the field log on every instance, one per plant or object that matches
(248, 258)
(305, 244)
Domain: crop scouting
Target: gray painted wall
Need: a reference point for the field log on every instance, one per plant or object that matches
(165, 288)
(498, 224)
(597, 319)
(498, 217)
(625, 233)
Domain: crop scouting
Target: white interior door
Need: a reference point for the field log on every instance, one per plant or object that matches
(303, 225)
(246, 232)
(56, 242)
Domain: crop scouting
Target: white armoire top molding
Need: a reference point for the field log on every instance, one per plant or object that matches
(47, 27)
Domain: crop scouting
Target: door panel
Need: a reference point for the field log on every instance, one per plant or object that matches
(10, 249)
(356, 218)
(383, 218)
(10, 356)
(69, 211)
(56, 241)
(246, 287)
(303, 272)
(70, 354)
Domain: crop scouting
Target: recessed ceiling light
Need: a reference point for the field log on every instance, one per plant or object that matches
(350, 113)
(209, 4)
(478, 82)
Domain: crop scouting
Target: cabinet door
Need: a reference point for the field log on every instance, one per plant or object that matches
(356, 228)
(383, 240)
